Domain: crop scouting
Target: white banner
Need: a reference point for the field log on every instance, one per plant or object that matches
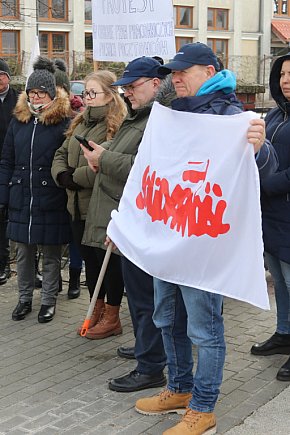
(190, 212)
(35, 52)
(126, 29)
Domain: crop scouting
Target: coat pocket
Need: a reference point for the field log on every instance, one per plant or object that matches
(51, 197)
(16, 196)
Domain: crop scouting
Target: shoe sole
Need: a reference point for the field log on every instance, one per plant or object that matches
(278, 351)
(210, 431)
(109, 334)
(179, 411)
(45, 320)
(144, 387)
(126, 356)
(73, 296)
(20, 317)
(282, 378)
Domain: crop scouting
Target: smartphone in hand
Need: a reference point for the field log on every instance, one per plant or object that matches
(84, 142)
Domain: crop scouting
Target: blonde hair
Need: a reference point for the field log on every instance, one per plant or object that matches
(117, 109)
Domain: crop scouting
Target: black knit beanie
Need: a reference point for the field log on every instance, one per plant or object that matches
(42, 77)
(4, 67)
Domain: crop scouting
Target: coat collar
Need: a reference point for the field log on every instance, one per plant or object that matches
(59, 110)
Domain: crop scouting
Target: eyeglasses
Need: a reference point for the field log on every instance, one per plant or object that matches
(130, 88)
(92, 94)
(40, 94)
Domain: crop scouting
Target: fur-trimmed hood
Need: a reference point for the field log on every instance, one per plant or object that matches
(59, 110)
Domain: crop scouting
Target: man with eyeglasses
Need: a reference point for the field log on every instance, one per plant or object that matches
(113, 161)
(8, 100)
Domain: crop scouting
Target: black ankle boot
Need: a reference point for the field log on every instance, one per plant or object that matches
(74, 289)
(21, 309)
(284, 372)
(277, 344)
(46, 313)
(5, 272)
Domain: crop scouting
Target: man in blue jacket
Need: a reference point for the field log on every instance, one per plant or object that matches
(200, 88)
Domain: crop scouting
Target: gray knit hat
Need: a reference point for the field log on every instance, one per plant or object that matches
(4, 67)
(42, 77)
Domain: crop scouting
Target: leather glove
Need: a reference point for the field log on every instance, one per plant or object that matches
(3, 213)
(65, 179)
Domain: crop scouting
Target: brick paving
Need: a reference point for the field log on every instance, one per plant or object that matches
(55, 382)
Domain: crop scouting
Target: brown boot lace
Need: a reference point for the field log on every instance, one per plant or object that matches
(191, 418)
(165, 394)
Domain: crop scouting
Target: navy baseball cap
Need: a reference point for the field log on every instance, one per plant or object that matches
(191, 54)
(140, 67)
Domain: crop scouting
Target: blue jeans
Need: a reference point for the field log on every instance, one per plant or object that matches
(280, 272)
(200, 322)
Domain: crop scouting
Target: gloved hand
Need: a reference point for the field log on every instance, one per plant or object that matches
(3, 213)
(65, 179)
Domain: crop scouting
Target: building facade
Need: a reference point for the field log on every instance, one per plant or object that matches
(239, 31)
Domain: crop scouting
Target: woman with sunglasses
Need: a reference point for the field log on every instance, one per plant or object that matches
(36, 206)
(104, 113)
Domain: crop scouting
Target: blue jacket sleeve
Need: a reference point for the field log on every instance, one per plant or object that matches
(267, 160)
(277, 183)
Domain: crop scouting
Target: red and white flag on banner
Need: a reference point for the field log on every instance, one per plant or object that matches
(190, 212)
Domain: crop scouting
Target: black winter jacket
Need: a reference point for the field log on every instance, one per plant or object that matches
(275, 192)
(6, 111)
(37, 207)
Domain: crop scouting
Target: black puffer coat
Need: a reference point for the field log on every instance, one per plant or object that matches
(275, 192)
(37, 207)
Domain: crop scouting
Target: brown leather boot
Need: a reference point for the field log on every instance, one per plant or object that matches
(108, 325)
(97, 314)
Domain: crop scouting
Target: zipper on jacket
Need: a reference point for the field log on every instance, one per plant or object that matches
(287, 197)
(30, 180)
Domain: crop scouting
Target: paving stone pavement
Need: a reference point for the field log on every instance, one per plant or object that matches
(55, 382)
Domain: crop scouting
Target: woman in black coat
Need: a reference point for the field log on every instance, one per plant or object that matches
(36, 206)
(275, 201)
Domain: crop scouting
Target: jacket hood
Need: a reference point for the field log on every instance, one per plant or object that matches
(275, 88)
(59, 110)
(166, 92)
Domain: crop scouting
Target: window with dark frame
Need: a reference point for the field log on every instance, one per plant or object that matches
(53, 10)
(281, 7)
(183, 17)
(9, 43)
(220, 48)
(9, 9)
(89, 46)
(181, 40)
(88, 10)
(54, 45)
(217, 19)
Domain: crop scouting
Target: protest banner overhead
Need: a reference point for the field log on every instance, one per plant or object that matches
(126, 29)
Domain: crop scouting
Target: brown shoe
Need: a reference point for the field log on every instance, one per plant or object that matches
(194, 423)
(108, 325)
(96, 316)
(163, 403)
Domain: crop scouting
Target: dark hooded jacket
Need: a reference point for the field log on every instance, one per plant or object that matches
(6, 111)
(37, 207)
(275, 192)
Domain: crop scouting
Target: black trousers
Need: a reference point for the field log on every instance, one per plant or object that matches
(113, 284)
(149, 350)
